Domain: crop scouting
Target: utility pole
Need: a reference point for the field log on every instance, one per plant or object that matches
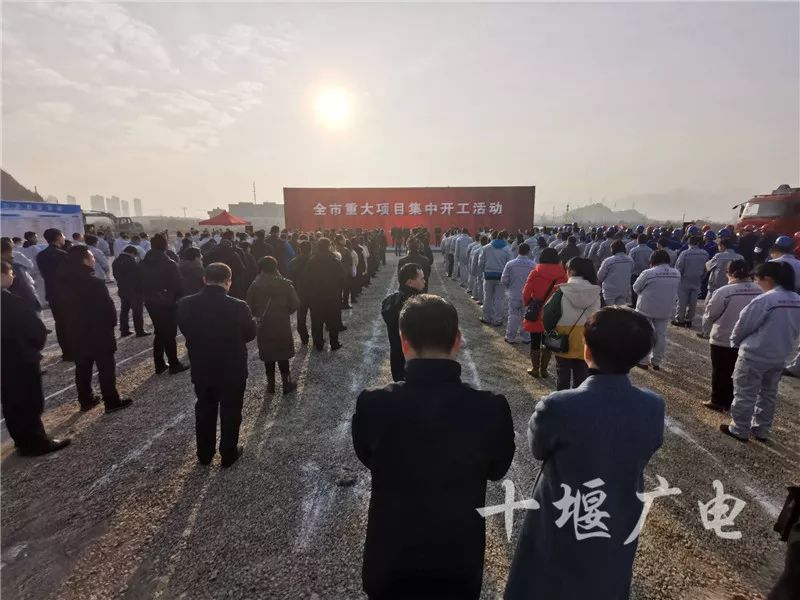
(184, 211)
(254, 193)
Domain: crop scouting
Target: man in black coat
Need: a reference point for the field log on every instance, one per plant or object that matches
(324, 279)
(23, 337)
(91, 319)
(276, 248)
(260, 247)
(217, 328)
(48, 261)
(412, 282)
(297, 268)
(416, 257)
(162, 288)
(128, 276)
(225, 253)
(430, 442)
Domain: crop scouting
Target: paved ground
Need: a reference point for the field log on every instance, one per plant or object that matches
(126, 512)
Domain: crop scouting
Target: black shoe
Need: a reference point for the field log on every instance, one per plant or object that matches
(230, 461)
(711, 405)
(484, 322)
(346, 307)
(677, 323)
(788, 373)
(160, 369)
(178, 368)
(343, 328)
(701, 335)
(304, 341)
(118, 405)
(143, 333)
(67, 358)
(49, 446)
(655, 367)
(205, 461)
(289, 387)
(644, 366)
(124, 333)
(727, 431)
(335, 347)
(86, 406)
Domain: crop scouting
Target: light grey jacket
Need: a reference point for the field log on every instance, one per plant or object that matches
(462, 242)
(723, 310)
(657, 290)
(515, 274)
(641, 258)
(768, 329)
(692, 266)
(615, 276)
(717, 268)
(493, 259)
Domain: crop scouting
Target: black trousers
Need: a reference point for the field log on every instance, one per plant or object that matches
(136, 306)
(397, 361)
(23, 403)
(106, 374)
(283, 367)
(329, 317)
(451, 259)
(224, 398)
(165, 329)
(302, 319)
(571, 372)
(633, 294)
(723, 360)
(60, 327)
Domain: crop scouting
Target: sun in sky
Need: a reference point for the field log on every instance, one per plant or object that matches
(333, 107)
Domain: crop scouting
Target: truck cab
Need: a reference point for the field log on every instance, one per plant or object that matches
(778, 212)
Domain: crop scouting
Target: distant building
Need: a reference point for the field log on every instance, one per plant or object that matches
(126, 212)
(71, 199)
(51, 199)
(98, 203)
(249, 210)
(113, 206)
(137, 207)
(214, 212)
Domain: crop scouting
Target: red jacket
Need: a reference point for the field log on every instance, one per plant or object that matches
(536, 287)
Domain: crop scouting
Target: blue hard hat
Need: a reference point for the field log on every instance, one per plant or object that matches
(693, 230)
(640, 229)
(710, 235)
(784, 242)
(677, 232)
(724, 232)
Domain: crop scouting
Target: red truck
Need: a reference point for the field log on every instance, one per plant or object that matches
(778, 212)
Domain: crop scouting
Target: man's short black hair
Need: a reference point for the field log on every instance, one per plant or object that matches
(159, 242)
(523, 249)
(90, 239)
(408, 271)
(268, 264)
(549, 256)
(618, 246)
(131, 250)
(305, 247)
(429, 323)
(618, 338)
(659, 257)
(274, 229)
(51, 234)
(192, 253)
(218, 273)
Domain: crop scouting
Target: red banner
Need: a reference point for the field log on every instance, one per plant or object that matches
(309, 209)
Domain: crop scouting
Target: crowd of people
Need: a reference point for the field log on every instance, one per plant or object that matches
(599, 301)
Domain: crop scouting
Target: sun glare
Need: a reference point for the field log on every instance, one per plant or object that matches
(333, 107)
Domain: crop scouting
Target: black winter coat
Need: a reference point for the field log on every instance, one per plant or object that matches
(430, 442)
(192, 274)
(272, 300)
(49, 261)
(89, 312)
(296, 269)
(161, 280)
(23, 334)
(128, 275)
(419, 259)
(390, 311)
(226, 253)
(217, 328)
(323, 278)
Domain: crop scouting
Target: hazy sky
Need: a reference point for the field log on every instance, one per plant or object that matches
(184, 105)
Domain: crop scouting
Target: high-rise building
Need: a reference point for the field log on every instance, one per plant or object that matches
(51, 199)
(71, 199)
(98, 203)
(137, 207)
(126, 212)
(112, 206)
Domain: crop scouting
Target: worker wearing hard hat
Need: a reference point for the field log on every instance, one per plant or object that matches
(783, 251)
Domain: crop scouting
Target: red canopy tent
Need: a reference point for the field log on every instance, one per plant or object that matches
(225, 218)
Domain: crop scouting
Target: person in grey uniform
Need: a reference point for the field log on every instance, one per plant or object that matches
(615, 276)
(766, 333)
(491, 263)
(691, 264)
(477, 274)
(462, 242)
(657, 290)
(470, 276)
(722, 312)
(717, 267)
(515, 274)
(783, 251)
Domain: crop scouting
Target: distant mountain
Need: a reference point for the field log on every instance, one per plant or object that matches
(693, 204)
(11, 189)
(595, 214)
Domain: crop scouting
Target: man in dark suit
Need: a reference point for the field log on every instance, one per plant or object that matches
(225, 253)
(412, 282)
(415, 256)
(323, 279)
(23, 337)
(48, 261)
(217, 328)
(162, 288)
(297, 268)
(91, 319)
(128, 276)
(431, 442)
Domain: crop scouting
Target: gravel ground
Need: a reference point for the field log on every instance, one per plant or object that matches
(126, 512)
